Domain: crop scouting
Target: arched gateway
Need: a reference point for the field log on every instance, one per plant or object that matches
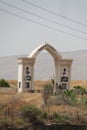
(26, 69)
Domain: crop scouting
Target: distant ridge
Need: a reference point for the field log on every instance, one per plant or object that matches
(44, 66)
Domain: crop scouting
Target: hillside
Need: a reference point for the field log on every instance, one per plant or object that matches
(44, 67)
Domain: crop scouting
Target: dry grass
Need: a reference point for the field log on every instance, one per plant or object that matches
(12, 83)
(82, 83)
(36, 98)
(64, 109)
(39, 84)
(31, 98)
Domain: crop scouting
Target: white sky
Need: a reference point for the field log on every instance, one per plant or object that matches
(18, 36)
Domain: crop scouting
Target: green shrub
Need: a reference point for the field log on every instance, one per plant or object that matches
(33, 114)
(48, 88)
(59, 118)
(4, 124)
(18, 121)
(4, 83)
(80, 90)
(69, 97)
(30, 111)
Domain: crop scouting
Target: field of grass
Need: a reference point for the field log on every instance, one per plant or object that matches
(39, 84)
(37, 100)
(27, 98)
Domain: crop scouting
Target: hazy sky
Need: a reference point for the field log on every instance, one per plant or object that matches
(20, 35)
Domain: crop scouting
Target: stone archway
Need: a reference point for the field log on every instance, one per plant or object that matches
(26, 69)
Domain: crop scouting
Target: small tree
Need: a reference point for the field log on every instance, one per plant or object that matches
(4, 83)
(48, 90)
(53, 83)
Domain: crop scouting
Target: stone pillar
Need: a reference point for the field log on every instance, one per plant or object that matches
(62, 73)
(57, 74)
(25, 74)
(65, 76)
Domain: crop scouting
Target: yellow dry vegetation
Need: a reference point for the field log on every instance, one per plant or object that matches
(62, 109)
(27, 98)
(82, 83)
(12, 82)
(36, 98)
(39, 84)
